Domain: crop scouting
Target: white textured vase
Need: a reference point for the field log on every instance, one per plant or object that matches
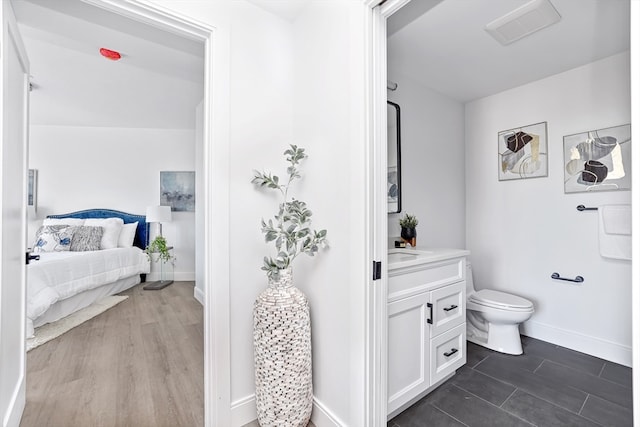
(282, 353)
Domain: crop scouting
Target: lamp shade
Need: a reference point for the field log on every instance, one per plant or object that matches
(158, 213)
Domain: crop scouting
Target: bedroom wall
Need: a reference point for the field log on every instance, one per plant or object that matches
(432, 155)
(115, 168)
(521, 231)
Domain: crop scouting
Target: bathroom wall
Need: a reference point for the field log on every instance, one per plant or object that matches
(519, 232)
(432, 150)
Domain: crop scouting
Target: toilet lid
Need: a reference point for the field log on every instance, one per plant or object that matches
(499, 299)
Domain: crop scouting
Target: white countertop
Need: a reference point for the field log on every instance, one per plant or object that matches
(408, 257)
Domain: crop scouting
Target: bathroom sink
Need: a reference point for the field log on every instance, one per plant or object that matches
(401, 255)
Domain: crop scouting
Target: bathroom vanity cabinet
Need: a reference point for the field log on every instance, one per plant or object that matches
(426, 308)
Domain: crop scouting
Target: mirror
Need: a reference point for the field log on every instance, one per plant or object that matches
(394, 193)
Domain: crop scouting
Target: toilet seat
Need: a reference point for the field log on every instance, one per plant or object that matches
(500, 300)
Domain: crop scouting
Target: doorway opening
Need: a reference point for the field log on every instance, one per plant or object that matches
(207, 148)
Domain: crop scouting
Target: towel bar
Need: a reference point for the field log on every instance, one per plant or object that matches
(578, 279)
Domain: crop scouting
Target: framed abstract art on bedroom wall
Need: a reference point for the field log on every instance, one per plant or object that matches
(522, 152)
(598, 160)
(178, 190)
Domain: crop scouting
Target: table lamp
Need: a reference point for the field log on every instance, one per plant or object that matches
(159, 214)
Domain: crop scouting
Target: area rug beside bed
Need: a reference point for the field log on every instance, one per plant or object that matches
(46, 333)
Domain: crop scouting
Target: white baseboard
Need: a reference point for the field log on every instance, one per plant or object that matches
(323, 417)
(198, 294)
(178, 276)
(243, 411)
(16, 405)
(594, 346)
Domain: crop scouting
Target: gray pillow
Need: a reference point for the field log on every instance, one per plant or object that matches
(86, 239)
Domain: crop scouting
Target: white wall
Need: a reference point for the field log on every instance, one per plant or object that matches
(432, 153)
(261, 109)
(328, 121)
(115, 168)
(521, 231)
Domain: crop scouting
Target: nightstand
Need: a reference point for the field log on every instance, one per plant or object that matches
(166, 272)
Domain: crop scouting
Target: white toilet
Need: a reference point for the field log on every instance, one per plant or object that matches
(493, 318)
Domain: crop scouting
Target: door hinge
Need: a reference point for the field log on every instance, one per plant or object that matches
(377, 270)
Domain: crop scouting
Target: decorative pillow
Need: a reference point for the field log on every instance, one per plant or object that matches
(86, 238)
(53, 238)
(127, 234)
(111, 233)
(63, 221)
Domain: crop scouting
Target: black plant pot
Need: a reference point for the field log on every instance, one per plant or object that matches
(409, 235)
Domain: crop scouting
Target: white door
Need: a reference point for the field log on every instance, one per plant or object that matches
(14, 74)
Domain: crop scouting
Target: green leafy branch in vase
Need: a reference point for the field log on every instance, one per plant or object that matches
(290, 228)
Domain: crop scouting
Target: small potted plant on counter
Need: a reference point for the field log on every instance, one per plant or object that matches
(408, 232)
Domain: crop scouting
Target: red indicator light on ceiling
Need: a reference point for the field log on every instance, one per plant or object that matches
(110, 54)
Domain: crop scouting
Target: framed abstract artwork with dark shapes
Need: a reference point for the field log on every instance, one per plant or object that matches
(522, 152)
(178, 190)
(598, 160)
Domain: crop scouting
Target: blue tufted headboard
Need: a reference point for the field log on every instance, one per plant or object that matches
(141, 230)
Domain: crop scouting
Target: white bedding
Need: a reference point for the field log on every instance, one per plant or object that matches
(60, 275)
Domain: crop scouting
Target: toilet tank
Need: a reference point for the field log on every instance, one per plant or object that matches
(470, 288)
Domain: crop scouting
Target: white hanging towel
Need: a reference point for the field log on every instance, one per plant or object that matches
(614, 231)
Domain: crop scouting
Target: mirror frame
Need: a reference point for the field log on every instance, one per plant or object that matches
(394, 205)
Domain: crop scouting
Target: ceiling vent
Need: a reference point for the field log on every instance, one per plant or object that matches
(525, 20)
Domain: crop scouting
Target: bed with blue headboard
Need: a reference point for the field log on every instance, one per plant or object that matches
(67, 278)
(140, 239)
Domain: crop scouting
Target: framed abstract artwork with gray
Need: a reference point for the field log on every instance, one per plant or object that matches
(598, 160)
(178, 190)
(522, 152)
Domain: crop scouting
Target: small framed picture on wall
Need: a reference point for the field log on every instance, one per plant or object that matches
(522, 152)
(178, 190)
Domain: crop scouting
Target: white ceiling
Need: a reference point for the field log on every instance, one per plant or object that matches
(286, 9)
(443, 45)
(157, 83)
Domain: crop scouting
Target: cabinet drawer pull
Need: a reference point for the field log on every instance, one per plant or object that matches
(453, 307)
(452, 352)
(430, 319)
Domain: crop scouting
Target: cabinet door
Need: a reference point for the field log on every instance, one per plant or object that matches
(449, 307)
(448, 352)
(408, 358)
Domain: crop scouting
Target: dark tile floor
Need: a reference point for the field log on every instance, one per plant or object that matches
(546, 386)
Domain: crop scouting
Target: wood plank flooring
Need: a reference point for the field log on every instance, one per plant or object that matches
(138, 364)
